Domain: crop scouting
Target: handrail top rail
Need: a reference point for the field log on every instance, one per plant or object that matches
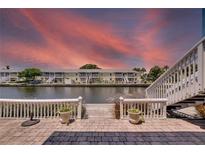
(40, 100)
(153, 100)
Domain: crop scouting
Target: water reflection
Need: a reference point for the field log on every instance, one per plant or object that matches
(90, 94)
(28, 90)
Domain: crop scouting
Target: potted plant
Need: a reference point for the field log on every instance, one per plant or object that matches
(135, 116)
(65, 113)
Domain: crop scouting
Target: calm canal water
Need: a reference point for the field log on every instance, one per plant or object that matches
(90, 94)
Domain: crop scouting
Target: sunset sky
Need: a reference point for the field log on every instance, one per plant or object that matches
(110, 38)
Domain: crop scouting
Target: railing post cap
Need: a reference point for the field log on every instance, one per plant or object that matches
(80, 98)
(121, 98)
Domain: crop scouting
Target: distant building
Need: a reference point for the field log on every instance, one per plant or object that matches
(78, 76)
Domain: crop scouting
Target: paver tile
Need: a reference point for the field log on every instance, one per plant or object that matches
(103, 131)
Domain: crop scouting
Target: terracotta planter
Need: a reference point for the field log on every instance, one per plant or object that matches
(134, 117)
(64, 117)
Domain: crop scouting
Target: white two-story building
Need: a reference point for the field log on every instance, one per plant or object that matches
(78, 76)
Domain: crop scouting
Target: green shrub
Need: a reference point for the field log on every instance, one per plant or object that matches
(65, 109)
(201, 110)
(134, 110)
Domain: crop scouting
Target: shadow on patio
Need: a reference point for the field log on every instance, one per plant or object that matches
(200, 123)
(125, 138)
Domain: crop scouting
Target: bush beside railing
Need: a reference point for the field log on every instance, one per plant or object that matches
(41, 108)
(201, 110)
(151, 108)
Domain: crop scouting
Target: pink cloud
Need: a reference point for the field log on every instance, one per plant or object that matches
(58, 52)
(71, 40)
(152, 52)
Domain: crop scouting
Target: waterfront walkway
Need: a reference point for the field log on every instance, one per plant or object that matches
(103, 131)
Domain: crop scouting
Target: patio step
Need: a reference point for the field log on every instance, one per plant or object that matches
(100, 110)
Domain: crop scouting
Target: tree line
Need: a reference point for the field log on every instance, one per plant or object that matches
(154, 73)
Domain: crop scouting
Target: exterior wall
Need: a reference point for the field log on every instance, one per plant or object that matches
(8, 77)
(13, 77)
(70, 78)
(202, 64)
(107, 77)
(78, 77)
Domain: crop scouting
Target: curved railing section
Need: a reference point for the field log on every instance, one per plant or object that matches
(41, 108)
(183, 80)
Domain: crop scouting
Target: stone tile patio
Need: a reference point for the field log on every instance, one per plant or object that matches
(125, 138)
(103, 131)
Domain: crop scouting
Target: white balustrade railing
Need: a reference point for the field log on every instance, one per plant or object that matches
(184, 80)
(150, 108)
(41, 108)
